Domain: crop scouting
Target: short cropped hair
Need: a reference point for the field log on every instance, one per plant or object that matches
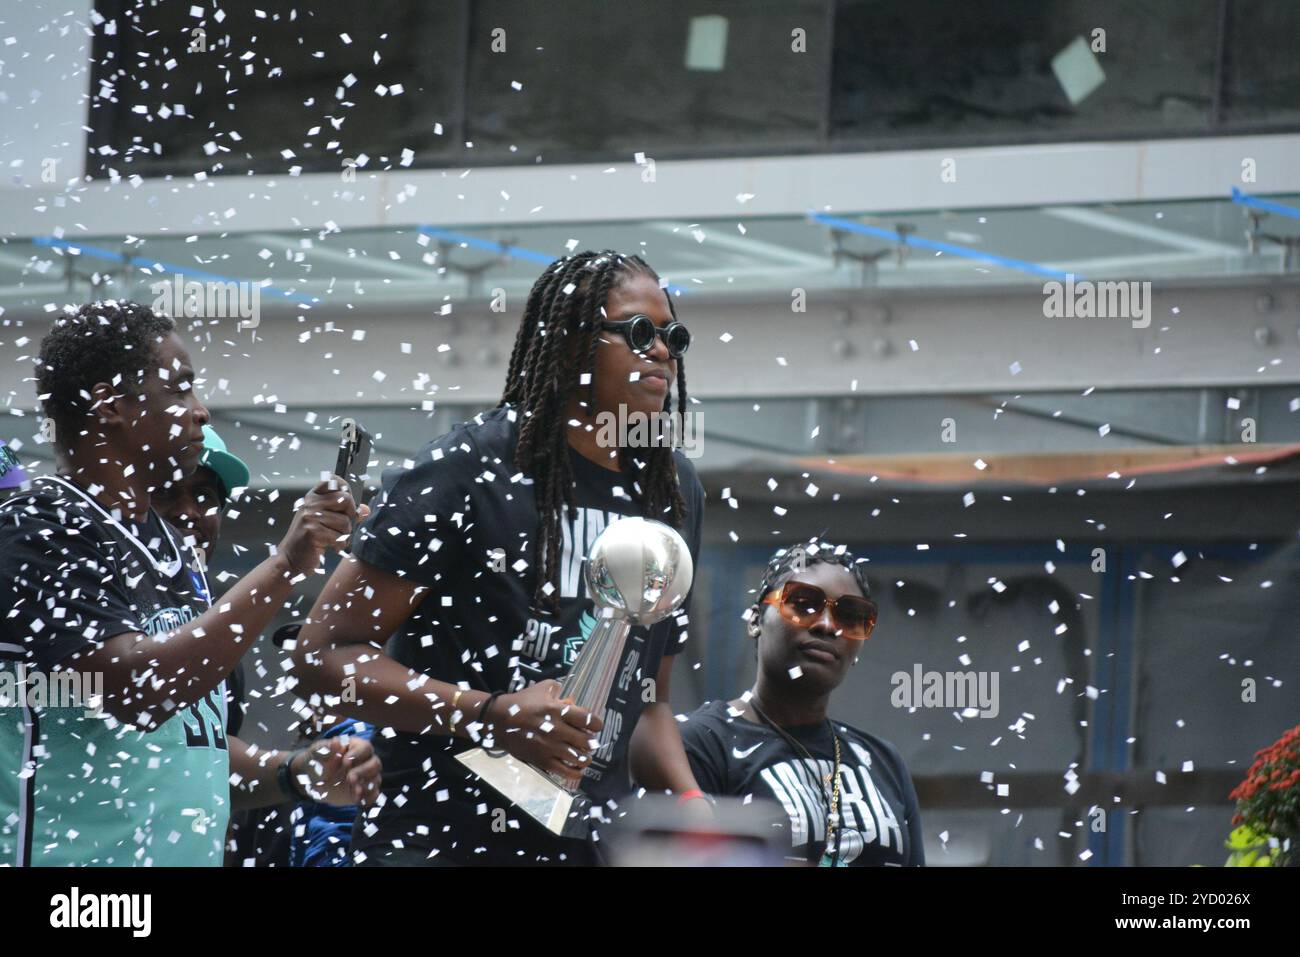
(110, 341)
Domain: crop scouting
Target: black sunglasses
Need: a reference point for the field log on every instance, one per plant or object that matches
(640, 332)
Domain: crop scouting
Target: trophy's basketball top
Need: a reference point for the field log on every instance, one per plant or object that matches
(640, 570)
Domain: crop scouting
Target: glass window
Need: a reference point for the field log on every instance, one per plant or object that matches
(498, 82)
(609, 80)
(1262, 70)
(310, 88)
(930, 71)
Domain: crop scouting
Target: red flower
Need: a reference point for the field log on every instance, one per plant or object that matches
(1269, 796)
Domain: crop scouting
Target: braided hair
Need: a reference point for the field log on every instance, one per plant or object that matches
(555, 353)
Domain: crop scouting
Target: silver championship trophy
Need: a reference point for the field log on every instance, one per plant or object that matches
(638, 572)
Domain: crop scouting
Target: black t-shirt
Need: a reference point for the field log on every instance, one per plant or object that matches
(78, 786)
(731, 755)
(462, 521)
(72, 575)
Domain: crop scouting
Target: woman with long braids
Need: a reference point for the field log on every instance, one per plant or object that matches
(472, 561)
(848, 795)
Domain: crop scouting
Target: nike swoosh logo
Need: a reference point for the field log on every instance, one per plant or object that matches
(736, 752)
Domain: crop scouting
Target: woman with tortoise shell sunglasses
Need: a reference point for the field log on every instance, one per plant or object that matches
(847, 793)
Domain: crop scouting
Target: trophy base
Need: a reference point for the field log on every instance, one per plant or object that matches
(561, 812)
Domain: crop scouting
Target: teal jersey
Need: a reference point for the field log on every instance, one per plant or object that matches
(78, 787)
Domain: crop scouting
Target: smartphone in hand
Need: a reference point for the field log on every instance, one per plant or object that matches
(354, 457)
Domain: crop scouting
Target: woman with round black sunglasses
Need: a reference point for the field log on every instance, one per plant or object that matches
(640, 332)
(847, 794)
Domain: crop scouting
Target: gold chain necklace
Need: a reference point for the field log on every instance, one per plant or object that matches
(833, 809)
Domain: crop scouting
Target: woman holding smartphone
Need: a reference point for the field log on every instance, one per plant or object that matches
(847, 793)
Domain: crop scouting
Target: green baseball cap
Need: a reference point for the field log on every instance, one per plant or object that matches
(232, 472)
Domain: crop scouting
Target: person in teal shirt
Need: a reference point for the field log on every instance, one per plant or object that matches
(113, 747)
